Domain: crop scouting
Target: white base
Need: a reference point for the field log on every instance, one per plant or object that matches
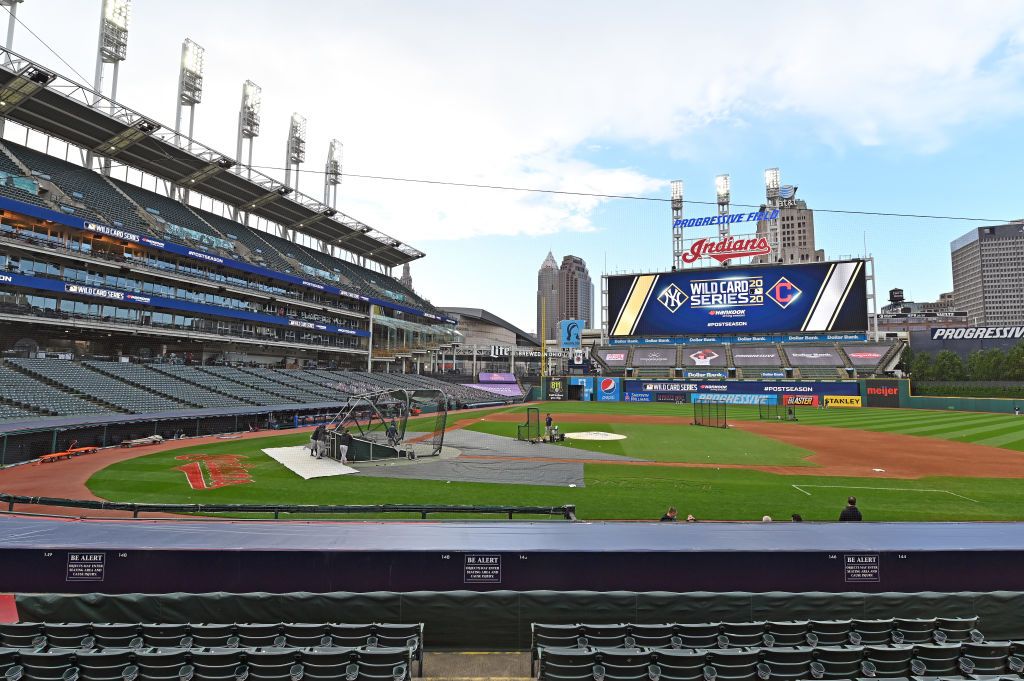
(298, 461)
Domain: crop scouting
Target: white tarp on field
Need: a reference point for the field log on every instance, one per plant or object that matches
(298, 461)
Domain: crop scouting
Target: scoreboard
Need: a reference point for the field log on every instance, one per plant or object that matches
(815, 297)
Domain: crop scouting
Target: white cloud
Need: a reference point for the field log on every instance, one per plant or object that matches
(517, 94)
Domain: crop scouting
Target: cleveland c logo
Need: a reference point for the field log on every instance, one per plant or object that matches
(783, 292)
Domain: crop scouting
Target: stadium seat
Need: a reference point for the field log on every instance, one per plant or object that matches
(915, 630)
(68, 635)
(275, 664)
(624, 664)
(384, 663)
(22, 635)
(698, 635)
(157, 664)
(567, 664)
(790, 633)
(873, 632)
(166, 635)
(219, 664)
(112, 664)
(605, 635)
(116, 635)
(890, 660)
(651, 635)
(213, 635)
(260, 635)
(990, 659)
(939, 659)
(51, 665)
(323, 663)
(734, 664)
(351, 635)
(788, 662)
(839, 662)
(681, 664)
(744, 634)
(957, 628)
(830, 632)
(306, 635)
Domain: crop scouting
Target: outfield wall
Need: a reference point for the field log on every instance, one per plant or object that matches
(881, 392)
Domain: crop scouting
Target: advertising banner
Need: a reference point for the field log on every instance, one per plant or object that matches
(773, 374)
(866, 355)
(800, 400)
(705, 375)
(609, 389)
(496, 377)
(637, 390)
(588, 386)
(556, 389)
(704, 357)
(569, 331)
(813, 297)
(842, 401)
(728, 338)
(883, 393)
(654, 357)
(736, 399)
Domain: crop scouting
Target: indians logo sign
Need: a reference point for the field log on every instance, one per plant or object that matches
(210, 471)
(726, 250)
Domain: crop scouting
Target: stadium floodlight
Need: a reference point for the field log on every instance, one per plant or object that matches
(295, 154)
(772, 181)
(190, 86)
(332, 173)
(723, 196)
(12, 14)
(112, 49)
(249, 120)
(677, 223)
(722, 189)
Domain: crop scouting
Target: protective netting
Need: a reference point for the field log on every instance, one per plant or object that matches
(530, 430)
(710, 413)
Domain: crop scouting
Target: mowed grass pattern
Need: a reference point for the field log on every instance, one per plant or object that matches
(630, 492)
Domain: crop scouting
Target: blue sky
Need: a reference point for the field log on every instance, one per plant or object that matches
(910, 107)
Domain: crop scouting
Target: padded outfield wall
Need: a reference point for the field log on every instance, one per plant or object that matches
(881, 392)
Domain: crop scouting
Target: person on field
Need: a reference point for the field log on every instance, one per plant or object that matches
(796, 518)
(344, 442)
(548, 426)
(670, 515)
(392, 433)
(1016, 410)
(317, 441)
(851, 513)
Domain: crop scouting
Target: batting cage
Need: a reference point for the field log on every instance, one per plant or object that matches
(530, 431)
(376, 425)
(710, 413)
(775, 412)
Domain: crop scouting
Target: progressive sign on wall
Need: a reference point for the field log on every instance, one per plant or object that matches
(814, 297)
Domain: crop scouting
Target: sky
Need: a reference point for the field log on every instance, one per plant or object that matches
(908, 107)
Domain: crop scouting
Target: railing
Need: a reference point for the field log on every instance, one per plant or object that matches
(567, 512)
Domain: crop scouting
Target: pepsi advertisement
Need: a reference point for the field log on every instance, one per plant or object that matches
(609, 389)
(815, 297)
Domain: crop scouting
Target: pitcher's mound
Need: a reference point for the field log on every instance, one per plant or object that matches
(594, 435)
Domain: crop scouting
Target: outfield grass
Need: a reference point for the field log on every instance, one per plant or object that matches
(679, 443)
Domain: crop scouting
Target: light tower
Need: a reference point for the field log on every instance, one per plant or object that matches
(112, 49)
(12, 9)
(677, 224)
(722, 195)
(295, 154)
(249, 121)
(332, 173)
(772, 180)
(190, 86)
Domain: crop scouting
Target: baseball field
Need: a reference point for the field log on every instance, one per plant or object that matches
(901, 464)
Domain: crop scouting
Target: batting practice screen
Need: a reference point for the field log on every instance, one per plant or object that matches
(829, 296)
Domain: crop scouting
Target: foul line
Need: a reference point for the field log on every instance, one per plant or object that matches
(800, 488)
